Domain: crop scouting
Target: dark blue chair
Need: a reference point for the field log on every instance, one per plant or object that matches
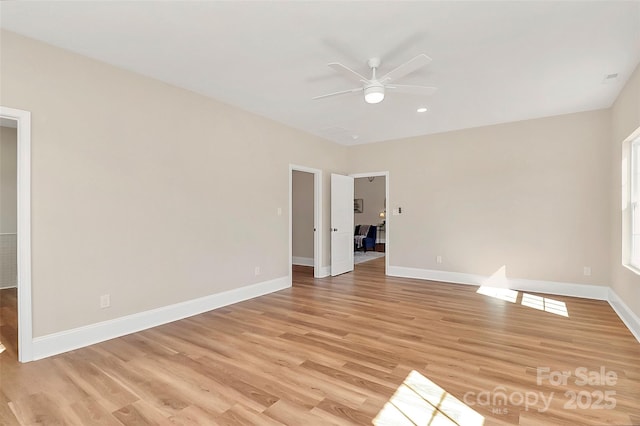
(369, 242)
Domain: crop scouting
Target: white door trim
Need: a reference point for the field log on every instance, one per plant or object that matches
(317, 219)
(25, 326)
(387, 226)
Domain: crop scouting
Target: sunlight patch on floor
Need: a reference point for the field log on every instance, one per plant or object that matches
(419, 401)
(540, 303)
(545, 304)
(499, 293)
(2, 348)
(497, 286)
(498, 278)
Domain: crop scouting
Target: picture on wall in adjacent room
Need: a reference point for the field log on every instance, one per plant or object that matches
(358, 205)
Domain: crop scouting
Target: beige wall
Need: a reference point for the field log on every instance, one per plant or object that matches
(625, 118)
(153, 189)
(8, 176)
(530, 195)
(302, 214)
(373, 194)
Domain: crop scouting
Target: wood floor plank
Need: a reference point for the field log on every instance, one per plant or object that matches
(193, 415)
(342, 412)
(140, 413)
(353, 349)
(6, 415)
(290, 414)
(37, 408)
(90, 412)
(239, 415)
(95, 383)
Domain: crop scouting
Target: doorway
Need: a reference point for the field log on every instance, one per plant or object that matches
(8, 239)
(21, 121)
(305, 219)
(371, 230)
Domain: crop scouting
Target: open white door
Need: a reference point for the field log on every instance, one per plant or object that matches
(341, 224)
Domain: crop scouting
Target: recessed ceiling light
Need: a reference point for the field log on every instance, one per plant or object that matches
(423, 109)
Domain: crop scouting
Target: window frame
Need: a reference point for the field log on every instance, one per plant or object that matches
(634, 203)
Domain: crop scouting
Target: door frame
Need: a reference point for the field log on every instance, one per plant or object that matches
(318, 271)
(387, 226)
(25, 325)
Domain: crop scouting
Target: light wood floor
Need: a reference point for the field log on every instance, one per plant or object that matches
(344, 350)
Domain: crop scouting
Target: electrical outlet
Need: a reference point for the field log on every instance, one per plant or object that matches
(105, 301)
(256, 271)
(587, 271)
(438, 259)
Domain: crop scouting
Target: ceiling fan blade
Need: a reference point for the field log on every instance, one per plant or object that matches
(347, 72)
(342, 92)
(409, 88)
(407, 68)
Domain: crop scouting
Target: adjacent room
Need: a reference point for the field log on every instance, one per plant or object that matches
(309, 213)
(369, 211)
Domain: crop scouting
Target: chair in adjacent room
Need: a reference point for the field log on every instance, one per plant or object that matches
(365, 237)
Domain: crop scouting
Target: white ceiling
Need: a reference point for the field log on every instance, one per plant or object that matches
(493, 62)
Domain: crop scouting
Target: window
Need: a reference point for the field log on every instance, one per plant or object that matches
(634, 258)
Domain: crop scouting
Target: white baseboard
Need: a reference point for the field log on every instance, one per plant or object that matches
(585, 291)
(68, 340)
(627, 316)
(302, 261)
(433, 275)
(8, 286)
(324, 271)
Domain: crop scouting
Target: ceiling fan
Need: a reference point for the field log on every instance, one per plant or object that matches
(374, 88)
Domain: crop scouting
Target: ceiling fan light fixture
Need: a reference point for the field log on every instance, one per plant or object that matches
(374, 94)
